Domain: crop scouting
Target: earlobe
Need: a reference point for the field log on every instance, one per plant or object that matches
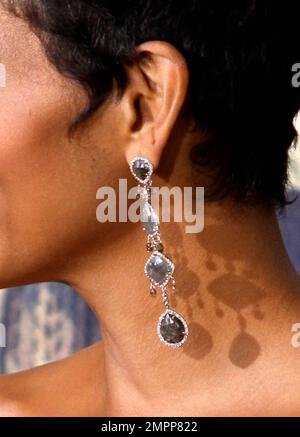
(160, 85)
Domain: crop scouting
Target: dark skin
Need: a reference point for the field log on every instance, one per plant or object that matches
(236, 285)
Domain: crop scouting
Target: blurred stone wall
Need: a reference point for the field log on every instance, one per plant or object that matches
(289, 220)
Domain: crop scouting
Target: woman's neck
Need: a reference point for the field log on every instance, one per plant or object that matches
(233, 280)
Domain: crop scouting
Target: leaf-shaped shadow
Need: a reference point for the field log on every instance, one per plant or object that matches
(235, 291)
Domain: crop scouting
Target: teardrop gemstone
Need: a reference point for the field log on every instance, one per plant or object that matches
(172, 329)
(150, 219)
(141, 169)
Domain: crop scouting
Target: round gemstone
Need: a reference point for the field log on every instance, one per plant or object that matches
(172, 328)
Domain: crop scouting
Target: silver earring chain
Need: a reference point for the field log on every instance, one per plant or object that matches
(172, 329)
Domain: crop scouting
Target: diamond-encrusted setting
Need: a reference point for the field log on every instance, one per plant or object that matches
(141, 169)
(159, 269)
(172, 329)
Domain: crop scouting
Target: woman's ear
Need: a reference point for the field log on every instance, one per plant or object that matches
(157, 89)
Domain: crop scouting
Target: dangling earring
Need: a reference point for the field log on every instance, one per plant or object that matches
(172, 329)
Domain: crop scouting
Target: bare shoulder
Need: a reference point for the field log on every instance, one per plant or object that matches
(43, 391)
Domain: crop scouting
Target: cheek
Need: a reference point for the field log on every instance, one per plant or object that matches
(47, 190)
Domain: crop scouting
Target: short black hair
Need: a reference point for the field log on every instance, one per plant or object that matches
(239, 54)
